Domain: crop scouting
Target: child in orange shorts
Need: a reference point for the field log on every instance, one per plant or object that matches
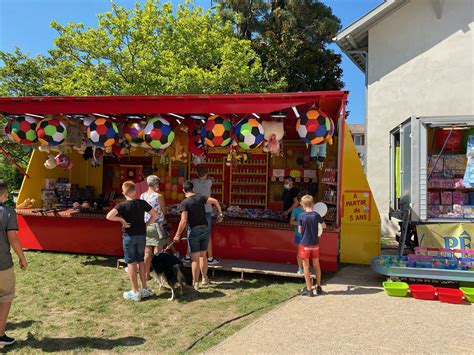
(309, 244)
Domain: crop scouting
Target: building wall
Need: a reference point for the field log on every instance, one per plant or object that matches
(418, 65)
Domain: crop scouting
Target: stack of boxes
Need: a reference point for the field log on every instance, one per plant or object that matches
(447, 197)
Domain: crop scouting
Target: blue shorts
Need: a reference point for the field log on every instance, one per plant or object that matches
(297, 239)
(198, 239)
(133, 248)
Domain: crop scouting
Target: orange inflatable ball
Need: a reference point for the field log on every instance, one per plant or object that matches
(181, 196)
(168, 194)
(174, 195)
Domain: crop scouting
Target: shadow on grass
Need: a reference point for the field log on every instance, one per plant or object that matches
(355, 290)
(189, 295)
(77, 343)
(100, 261)
(23, 324)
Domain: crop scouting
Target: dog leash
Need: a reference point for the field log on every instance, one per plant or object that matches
(171, 244)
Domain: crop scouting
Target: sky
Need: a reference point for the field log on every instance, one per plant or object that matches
(25, 24)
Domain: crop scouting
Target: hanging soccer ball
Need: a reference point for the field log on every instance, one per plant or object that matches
(248, 133)
(134, 133)
(158, 133)
(217, 131)
(313, 127)
(102, 133)
(22, 129)
(51, 132)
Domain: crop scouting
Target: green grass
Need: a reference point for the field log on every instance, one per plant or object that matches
(73, 303)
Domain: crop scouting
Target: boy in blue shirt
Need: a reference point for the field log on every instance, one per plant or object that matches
(309, 243)
(295, 214)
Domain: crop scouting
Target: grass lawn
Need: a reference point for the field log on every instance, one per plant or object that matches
(74, 303)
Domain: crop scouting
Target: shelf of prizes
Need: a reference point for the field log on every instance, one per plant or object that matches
(83, 149)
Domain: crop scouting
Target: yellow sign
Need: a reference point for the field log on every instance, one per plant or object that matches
(356, 206)
(448, 236)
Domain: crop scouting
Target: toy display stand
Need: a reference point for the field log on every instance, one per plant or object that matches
(428, 263)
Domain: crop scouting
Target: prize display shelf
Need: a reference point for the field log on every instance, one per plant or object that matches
(248, 182)
(329, 194)
(215, 164)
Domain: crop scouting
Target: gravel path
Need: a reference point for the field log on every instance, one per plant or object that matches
(355, 316)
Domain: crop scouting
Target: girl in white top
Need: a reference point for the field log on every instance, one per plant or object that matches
(156, 238)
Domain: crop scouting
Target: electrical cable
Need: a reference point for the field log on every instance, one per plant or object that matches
(189, 348)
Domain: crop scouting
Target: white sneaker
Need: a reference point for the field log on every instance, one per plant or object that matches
(213, 261)
(126, 269)
(146, 292)
(132, 296)
(300, 271)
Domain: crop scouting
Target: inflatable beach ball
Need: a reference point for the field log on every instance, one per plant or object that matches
(51, 131)
(158, 133)
(248, 133)
(217, 131)
(22, 129)
(134, 133)
(313, 127)
(102, 132)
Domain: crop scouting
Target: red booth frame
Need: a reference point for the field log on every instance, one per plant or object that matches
(230, 241)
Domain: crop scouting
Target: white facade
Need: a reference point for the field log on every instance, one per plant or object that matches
(420, 63)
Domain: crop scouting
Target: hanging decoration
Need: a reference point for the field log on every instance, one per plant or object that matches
(332, 129)
(51, 132)
(133, 131)
(217, 131)
(22, 129)
(248, 133)
(158, 133)
(313, 127)
(274, 132)
(63, 161)
(177, 151)
(102, 133)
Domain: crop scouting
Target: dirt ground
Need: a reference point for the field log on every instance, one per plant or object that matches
(356, 316)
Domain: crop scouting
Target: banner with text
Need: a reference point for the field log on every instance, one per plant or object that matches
(449, 236)
(356, 206)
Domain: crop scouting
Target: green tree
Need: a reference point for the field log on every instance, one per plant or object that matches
(19, 76)
(291, 37)
(152, 49)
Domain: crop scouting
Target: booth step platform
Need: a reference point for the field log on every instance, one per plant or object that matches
(247, 267)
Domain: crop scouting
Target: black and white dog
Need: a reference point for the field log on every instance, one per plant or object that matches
(168, 269)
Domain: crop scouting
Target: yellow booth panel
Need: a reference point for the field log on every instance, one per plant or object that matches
(360, 219)
(82, 173)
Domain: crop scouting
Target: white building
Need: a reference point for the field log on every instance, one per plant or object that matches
(358, 136)
(418, 57)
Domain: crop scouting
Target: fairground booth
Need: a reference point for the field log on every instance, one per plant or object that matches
(83, 148)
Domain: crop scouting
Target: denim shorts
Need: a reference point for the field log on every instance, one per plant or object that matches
(133, 248)
(198, 239)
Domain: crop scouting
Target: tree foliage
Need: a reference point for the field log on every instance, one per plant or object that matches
(151, 49)
(291, 37)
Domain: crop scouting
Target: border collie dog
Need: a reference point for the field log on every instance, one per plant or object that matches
(168, 269)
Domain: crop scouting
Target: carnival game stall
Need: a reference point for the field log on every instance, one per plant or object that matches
(83, 148)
